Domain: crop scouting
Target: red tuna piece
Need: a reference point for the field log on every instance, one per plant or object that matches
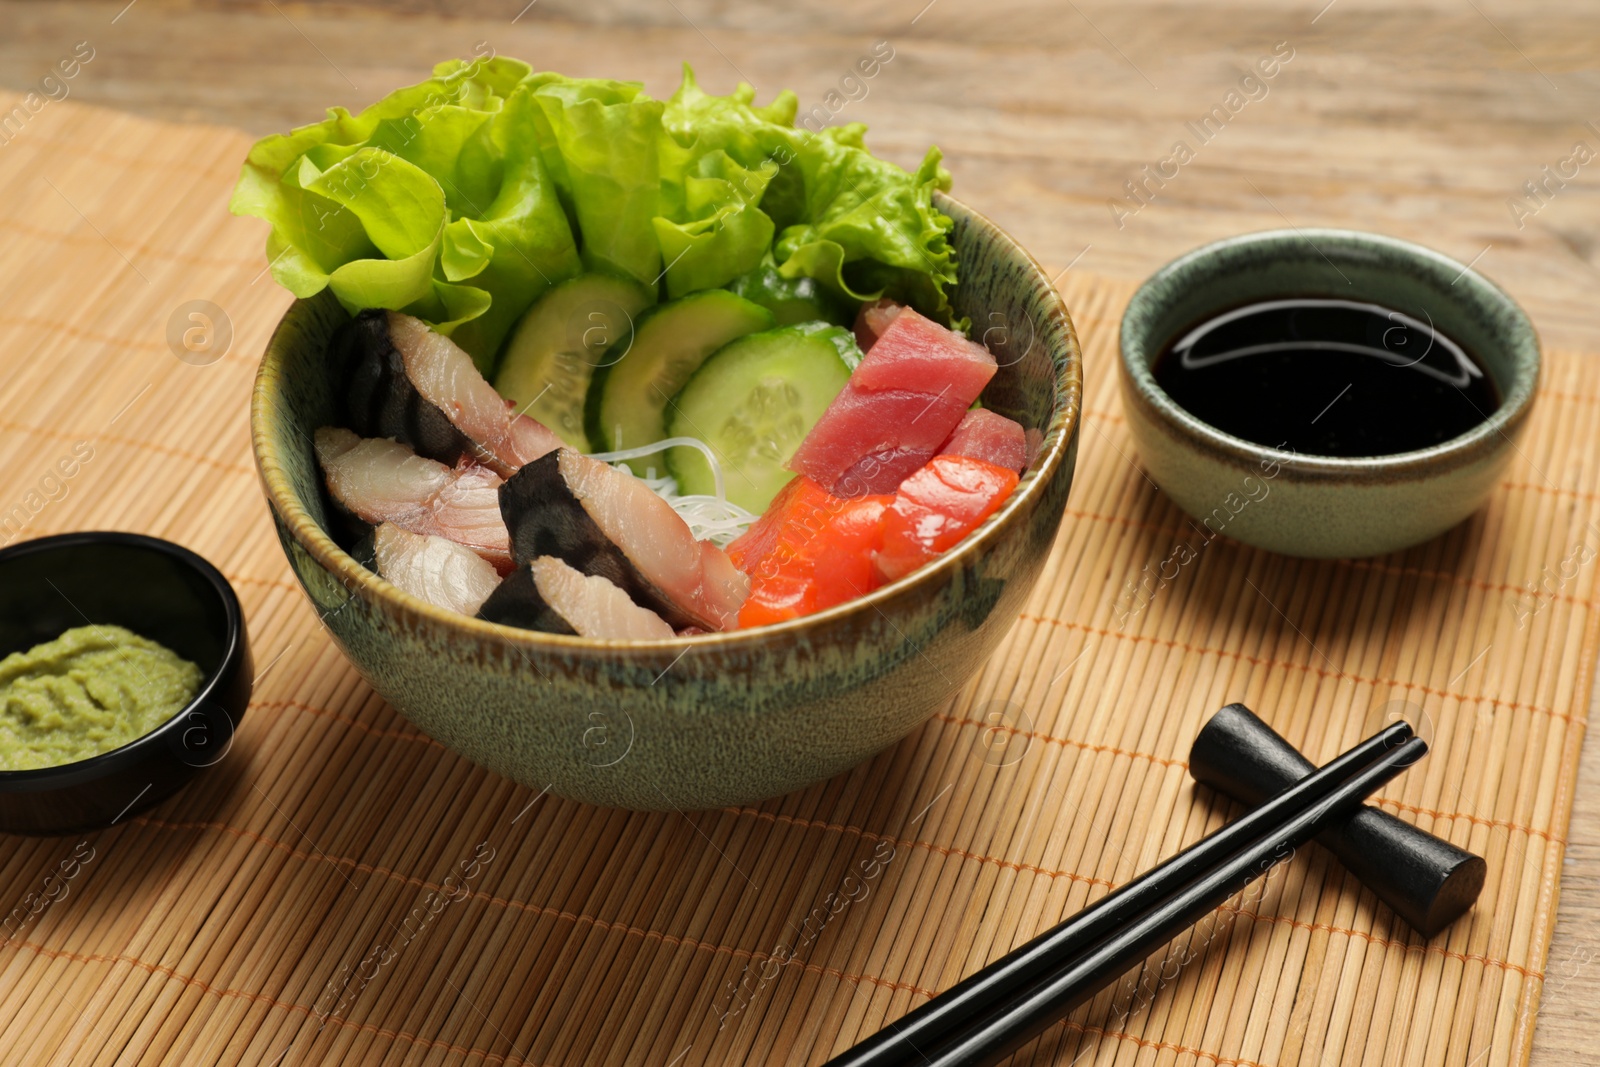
(911, 425)
(903, 401)
(917, 353)
(990, 436)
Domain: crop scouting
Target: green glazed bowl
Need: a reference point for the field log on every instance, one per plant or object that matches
(716, 719)
(1324, 506)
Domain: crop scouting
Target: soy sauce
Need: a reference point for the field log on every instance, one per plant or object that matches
(1327, 378)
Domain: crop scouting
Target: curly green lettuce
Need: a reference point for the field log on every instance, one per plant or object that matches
(829, 209)
(463, 198)
(434, 201)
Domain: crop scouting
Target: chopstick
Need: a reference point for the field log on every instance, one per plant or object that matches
(1032, 1009)
(1002, 1006)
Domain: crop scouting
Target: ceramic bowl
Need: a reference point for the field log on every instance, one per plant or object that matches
(158, 590)
(710, 720)
(1321, 506)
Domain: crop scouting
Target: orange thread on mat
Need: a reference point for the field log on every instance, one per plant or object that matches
(366, 728)
(81, 334)
(1159, 1046)
(575, 918)
(1384, 942)
(1201, 650)
(421, 738)
(1086, 746)
(943, 850)
(1551, 490)
(1504, 824)
(271, 1002)
(1562, 394)
(275, 583)
(132, 442)
(1351, 564)
(1135, 754)
(113, 340)
(1458, 579)
(1439, 950)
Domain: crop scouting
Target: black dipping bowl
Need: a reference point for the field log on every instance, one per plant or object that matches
(158, 590)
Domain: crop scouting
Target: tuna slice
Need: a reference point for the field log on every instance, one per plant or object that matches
(901, 403)
(989, 436)
(405, 381)
(914, 424)
(549, 595)
(443, 573)
(383, 481)
(603, 521)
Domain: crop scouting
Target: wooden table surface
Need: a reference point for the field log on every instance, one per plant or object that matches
(1420, 118)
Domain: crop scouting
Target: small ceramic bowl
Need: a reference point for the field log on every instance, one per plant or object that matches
(158, 590)
(1323, 506)
(711, 720)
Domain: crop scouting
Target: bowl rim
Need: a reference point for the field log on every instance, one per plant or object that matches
(1527, 363)
(84, 770)
(1058, 440)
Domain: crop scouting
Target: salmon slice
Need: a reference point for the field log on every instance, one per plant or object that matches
(380, 481)
(937, 507)
(989, 436)
(810, 551)
(603, 521)
(443, 573)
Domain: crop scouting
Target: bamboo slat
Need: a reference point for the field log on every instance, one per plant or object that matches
(270, 913)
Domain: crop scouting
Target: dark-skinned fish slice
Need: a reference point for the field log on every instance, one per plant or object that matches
(405, 381)
(549, 595)
(604, 521)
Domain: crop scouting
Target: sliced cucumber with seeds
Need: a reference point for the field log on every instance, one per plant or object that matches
(551, 359)
(629, 397)
(753, 402)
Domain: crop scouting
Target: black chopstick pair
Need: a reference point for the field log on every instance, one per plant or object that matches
(997, 1010)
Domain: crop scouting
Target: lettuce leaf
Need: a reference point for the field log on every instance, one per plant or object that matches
(463, 198)
(865, 230)
(434, 201)
(857, 224)
(605, 133)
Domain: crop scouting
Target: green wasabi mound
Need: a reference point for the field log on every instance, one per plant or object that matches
(93, 689)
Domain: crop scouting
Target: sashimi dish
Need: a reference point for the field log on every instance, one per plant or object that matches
(626, 368)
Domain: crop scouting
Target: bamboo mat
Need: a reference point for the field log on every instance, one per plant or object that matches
(342, 889)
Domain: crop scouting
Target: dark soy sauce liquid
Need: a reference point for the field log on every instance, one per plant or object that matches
(1327, 378)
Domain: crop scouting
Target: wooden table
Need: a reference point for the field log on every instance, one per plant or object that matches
(1422, 118)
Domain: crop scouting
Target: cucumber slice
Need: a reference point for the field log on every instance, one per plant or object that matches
(560, 343)
(791, 300)
(753, 402)
(629, 397)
